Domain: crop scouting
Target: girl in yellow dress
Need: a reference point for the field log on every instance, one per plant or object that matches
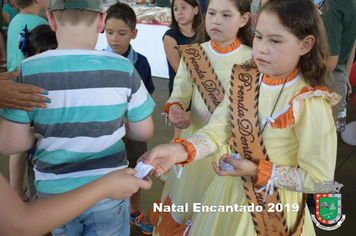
(227, 25)
(295, 118)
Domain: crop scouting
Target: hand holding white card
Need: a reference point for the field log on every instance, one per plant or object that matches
(225, 165)
(142, 169)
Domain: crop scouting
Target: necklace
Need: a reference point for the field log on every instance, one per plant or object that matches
(275, 104)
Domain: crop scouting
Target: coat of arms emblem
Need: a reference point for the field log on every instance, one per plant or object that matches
(328, 206)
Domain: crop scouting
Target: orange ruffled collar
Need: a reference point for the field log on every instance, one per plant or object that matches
(269, 81)
(228, 49)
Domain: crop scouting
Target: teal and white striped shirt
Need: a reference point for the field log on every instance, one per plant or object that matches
(79, 134)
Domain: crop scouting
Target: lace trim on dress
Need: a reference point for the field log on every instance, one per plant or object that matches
(287, 118)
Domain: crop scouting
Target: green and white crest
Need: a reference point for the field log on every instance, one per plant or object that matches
(328, 206)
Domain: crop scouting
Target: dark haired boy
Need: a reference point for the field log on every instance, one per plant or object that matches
(120, 28)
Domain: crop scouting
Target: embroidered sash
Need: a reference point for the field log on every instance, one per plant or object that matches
(203, 75)
(247, 141)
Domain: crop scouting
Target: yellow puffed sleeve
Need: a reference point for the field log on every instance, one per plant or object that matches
(315, 131)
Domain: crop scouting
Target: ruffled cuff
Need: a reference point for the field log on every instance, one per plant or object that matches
(264, 172)
(190, 148)
(168, 105)
(284, 177)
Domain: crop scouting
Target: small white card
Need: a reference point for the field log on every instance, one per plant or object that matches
(142, 170)
(225, 165)
(236, 156)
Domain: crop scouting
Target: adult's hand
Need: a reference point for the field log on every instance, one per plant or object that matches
(20, 96)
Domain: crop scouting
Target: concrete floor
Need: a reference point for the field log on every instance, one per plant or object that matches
(345, 167)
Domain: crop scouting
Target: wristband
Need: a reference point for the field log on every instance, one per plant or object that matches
(264, 172)
(189, 147)
(168, 105)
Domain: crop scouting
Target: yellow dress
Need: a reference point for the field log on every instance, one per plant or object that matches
(196, 176)
(308, 141)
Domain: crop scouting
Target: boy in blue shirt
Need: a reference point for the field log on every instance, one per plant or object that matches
(120, 28)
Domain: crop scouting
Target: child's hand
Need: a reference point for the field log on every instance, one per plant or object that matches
(241, 167)
(177, 117)
(123, 183)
